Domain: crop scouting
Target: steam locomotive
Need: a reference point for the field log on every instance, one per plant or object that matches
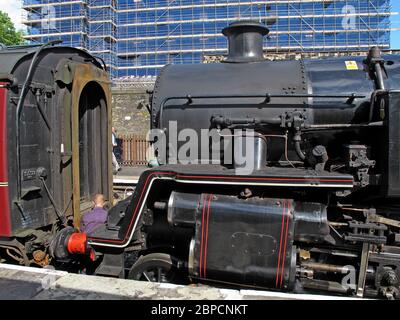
(317, 212)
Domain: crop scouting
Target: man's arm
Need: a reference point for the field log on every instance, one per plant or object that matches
(83, 224)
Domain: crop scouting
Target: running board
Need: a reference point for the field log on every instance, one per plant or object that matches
(216, 175)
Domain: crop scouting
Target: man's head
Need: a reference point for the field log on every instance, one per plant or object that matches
(98, 200)
(113, 129)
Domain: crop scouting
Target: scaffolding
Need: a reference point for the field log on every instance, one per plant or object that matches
(136, 38)
(85, 24)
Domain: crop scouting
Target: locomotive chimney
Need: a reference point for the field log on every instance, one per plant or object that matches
(245, 39)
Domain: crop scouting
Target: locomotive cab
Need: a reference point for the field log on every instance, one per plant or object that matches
(54, 117)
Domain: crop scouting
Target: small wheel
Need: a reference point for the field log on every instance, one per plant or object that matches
(155, 267)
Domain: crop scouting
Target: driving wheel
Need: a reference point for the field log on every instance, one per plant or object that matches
(155, 267)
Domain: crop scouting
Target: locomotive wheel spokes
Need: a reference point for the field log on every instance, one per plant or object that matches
(155, 267)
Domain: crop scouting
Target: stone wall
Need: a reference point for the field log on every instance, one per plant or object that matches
(130, 115)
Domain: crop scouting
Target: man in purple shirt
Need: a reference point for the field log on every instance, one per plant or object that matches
(96, 217)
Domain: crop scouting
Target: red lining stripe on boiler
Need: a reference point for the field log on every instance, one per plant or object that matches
(280, 244)
(286, 236)
(202, 236)
(206, 244)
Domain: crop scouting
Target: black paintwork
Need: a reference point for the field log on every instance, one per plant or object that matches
(41, 135)
(244, 241)
(391, 154)
(308, 77)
